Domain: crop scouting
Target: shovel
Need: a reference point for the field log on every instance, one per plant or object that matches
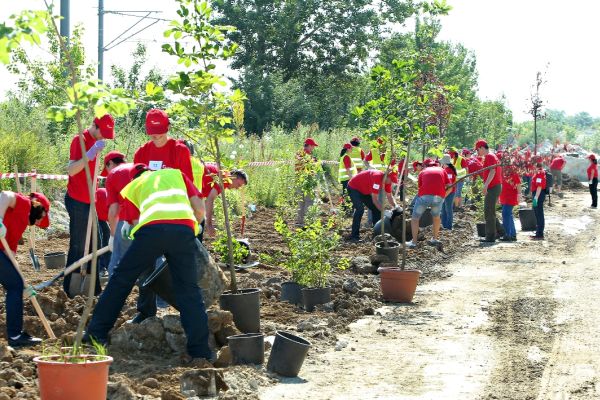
(34, 260)
(28, 292)
(70, 269)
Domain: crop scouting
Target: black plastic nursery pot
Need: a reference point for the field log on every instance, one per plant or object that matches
(391, 251)
(288, 354)
(291, 292)
(527, 219)
(161, 283)
(245, 307)
(247, 348)
(312, 297)
(481, 229)
(56, 260)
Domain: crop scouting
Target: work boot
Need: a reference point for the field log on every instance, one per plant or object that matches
(139, 317)
(24, 340)
(352, 239)
(92, 340)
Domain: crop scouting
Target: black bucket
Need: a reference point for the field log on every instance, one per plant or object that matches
(391, 252)
(247, 348)
(291, 292)
(315, 296)
(245, 307)
(288, 354)
(57, 260)
(527, 219)
(481, 229)
(426, 219)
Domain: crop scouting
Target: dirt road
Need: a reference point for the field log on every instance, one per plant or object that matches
(515, 321)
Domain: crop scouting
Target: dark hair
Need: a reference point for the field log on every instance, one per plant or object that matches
(238, 173)
(453, 168)
(343, 152)
(35, 212)
(595, 161)
(140, 169)
(190, 146)
(117, 160)
(355, 142)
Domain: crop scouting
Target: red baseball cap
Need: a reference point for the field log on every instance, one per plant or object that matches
(109, 157)
(466, 152)
(157, 122)
(591, 157)
(106, 124)
(137, 168)
(480, 143)
(393, 177)
(45, 222)
(310, 142)
(347, 146)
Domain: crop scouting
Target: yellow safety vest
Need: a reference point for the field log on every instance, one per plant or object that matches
(198, 171)
(356, 158)
(343, 175)
(160, 195)
(376, 162)
(460, 171)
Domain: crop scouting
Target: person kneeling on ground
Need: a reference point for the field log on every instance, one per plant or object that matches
(433, 181)
(16, 212)
(364, 189)
(169, 208)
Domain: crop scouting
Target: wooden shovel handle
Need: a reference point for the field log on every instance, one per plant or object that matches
(34, 301)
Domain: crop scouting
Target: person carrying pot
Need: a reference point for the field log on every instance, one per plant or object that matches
(492, 186)
(448, 205)
(433, 182)
(167, 209)
(592, 174)
(17, 211)
(364, 190)
(538, 193)
(509, 197)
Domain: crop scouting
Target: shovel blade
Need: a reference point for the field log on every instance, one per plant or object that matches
(79, 284)
(34, 260)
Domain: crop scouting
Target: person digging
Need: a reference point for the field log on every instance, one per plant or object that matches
(167, 208)
(17, 211)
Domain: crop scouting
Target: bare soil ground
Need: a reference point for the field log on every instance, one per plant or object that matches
(494, 323)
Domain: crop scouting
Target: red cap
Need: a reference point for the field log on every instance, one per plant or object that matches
(136, 170)
(45, 222)
(480, 143)
(310, 142)
(106, 124)
(347, 146)
(393, 177)
(157, 122)
(379, 140)
(109, 157)
(415, 164)
(466, 152)
(591, 157)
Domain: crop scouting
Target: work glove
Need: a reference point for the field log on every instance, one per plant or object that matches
(535, 202)
(111, 241)
(126, 230)
(95, 149)
(2, 229)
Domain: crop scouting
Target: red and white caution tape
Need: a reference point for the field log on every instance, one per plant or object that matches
(271, 163)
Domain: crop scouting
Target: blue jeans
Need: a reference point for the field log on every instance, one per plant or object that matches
(539, 214)
(447, 213)
(422, 202)
(508, 221)
(177, 244)
(78, 217)
(13, 286)
(120, 246)
(359, 201)
(459, 188)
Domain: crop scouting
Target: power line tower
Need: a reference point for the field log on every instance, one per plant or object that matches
(140, 15)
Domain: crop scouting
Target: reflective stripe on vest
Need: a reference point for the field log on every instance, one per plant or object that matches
(376, 162)
(160, 195)
(356, 158)
(460, 171)
(198, 171)
(343, 175)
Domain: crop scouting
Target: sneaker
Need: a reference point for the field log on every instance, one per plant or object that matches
(434, 242)
(506, 239)
(139, 317)
(24, 340)
(487, 240)
(198, 362)
(513, 238)
(353, 239)
(535, 237)
(411, 245)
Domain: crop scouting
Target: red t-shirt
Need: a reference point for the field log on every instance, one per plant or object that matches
(474, 165)
(369, 156)
(116, 180)
(77, 186)
(592, 171)
(174, 154)
(347, 161)
(210, 179)
(369, 182)
(538, 180)
(16, 221)
(510, 190)
(491, 159)
(433, 181)
(451, 178)
(134, 213)
(101, 204)
(558, 163)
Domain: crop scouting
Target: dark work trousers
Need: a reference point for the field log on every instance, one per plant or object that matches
(176, 243)
(359, 201)
(539, 214)
(594, 192)
(78, 217)
(104, 259)
(13, 287)
(489, 210)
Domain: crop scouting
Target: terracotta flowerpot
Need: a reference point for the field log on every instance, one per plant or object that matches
(61, 379)
(397, 285)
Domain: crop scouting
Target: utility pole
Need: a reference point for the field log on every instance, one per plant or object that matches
(100, 40)
(65, 20)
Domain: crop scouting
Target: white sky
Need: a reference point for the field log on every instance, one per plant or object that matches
(512, 39)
